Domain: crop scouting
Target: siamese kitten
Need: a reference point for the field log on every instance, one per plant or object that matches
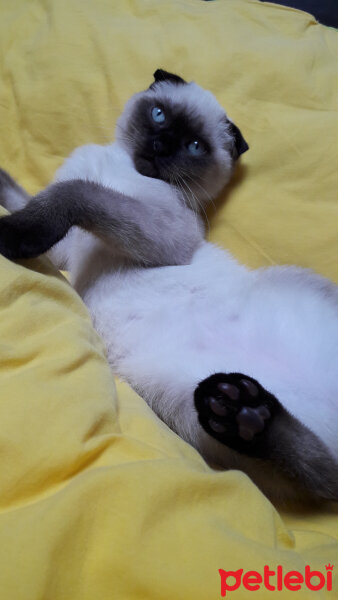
(241, 363)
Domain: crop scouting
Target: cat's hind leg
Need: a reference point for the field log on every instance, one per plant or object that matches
(238, 412)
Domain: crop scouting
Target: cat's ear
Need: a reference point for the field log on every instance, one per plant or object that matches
(240, 145)
(161, 75)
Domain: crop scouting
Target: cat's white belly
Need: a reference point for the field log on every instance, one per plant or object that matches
(168, 328)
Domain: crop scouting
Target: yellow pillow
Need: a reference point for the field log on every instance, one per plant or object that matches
(98, 498)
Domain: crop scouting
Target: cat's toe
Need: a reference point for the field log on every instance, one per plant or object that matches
(217, 406)
(217, 426)
(229, 390)
(252, 388)
(251, 421)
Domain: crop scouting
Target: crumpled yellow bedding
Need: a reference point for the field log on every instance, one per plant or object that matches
(99, 499)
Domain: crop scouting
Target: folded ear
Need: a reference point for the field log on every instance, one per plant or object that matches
(161, 75)
(240, 145)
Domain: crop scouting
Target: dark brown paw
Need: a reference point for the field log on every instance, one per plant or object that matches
(15, 241)
(236, 410)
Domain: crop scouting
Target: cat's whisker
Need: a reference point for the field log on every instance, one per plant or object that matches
(124, 133)
(194, 180)
(193, 199)
(199, 206)
(185, 193)
(135, 129)
(126, 138)
(174, 181)
(192, 195)
(209, 198)
(181, 190)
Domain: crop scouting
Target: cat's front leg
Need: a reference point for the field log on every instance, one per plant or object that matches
(238, 412)
(147, 233)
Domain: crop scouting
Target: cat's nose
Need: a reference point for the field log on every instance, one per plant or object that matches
(163, 145)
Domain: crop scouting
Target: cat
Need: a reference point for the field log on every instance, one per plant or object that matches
(241, 363)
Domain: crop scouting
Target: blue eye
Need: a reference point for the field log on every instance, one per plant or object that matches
(196, 148)
(158, 114)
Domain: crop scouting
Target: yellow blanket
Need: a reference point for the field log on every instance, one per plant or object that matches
(99, 500)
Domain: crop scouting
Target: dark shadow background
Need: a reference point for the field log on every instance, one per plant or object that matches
(325, 11)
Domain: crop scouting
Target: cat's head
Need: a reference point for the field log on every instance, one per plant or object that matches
(178, 132)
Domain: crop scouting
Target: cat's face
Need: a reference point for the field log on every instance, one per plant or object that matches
(178, 132)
